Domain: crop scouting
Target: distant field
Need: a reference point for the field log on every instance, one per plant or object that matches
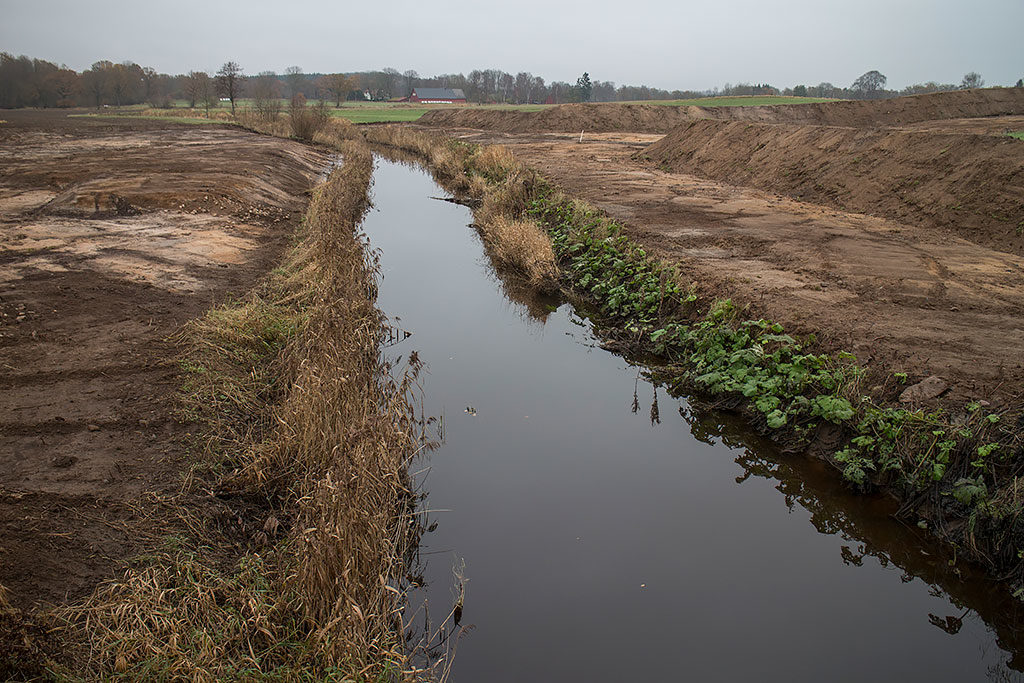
(382, 114)
(131, 114)
(385, 112)
(737, 101)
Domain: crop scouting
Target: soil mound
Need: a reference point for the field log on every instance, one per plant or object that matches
(898, 111)
(566, 118)
(652, 118)
(972, 185)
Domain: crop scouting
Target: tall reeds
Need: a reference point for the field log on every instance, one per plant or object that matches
(307, 425)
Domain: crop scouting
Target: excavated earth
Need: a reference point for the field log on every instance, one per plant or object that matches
(893, 232)
(113, 234)
(653, 118)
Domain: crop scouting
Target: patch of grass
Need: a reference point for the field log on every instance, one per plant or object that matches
(1019, 134)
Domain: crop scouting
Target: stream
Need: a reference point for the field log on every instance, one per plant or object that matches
(609, 532)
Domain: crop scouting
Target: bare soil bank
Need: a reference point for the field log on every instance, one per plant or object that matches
(90, 288)
(645, 118)
(900, 296)
(898, 111)
(962, 184)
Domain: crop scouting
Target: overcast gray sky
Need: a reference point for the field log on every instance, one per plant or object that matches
(681, 44)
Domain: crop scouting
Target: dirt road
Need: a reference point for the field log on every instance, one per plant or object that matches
(112, 235)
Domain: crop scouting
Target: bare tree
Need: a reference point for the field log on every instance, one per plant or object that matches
(338, 85)
(972, 79)
(190, 86)
(266, 94)
(293, 76)
(96, 81)
(391, 80)
(229, 82)
(124, 82)
(523, 87)
(869, 85)
(411, 81)
(206, 90)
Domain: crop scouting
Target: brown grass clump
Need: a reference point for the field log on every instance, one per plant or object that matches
(306, 121)
(216, 114)
(522, 245)
(504, 186)
(304, 416)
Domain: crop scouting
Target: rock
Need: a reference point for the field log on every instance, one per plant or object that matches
(928, 388)
(93, 428)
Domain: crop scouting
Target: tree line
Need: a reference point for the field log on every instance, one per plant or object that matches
(30, 82)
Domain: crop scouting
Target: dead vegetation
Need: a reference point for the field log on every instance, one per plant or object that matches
(499, 188)
(307, 432)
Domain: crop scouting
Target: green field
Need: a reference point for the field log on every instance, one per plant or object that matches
(1019, 134)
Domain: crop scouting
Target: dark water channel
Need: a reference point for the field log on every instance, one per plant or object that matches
(604, 542)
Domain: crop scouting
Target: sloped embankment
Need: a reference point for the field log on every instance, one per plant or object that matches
(567, 118)
(651, 118)
(959, 104)
(972, 185)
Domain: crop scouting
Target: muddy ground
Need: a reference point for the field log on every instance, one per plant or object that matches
(902, 296)
(113, 234)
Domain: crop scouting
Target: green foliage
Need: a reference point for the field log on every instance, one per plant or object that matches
(722, 354)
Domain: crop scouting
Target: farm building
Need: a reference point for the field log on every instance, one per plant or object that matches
(438, 96)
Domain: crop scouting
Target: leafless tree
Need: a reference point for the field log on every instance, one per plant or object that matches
(229, 82)
(266, 95)
(293, 76)
(972, 79)
(206, 90)
(869, 85)
(411, 81)
(190, 86)
(338, 85)
(126, 83)
(96, 81)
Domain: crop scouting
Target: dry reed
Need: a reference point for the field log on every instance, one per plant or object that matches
(503, 187)
(304, 415)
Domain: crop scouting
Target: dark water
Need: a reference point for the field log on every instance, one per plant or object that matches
(602, 542)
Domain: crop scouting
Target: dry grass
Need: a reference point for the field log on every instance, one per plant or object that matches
(302, 414)
(306, 121)
(215, 114)
(503, 187)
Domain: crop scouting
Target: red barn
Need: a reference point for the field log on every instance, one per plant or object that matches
(438, 96)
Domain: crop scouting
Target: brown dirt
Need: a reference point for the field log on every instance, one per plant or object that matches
(961, 183)
(647, 118)
(898, 111)
(901, 296)
(91, 287)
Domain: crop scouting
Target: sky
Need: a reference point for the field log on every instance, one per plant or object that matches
(678, 44)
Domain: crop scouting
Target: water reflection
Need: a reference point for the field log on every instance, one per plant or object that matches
(873, 531)
(604, 538)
